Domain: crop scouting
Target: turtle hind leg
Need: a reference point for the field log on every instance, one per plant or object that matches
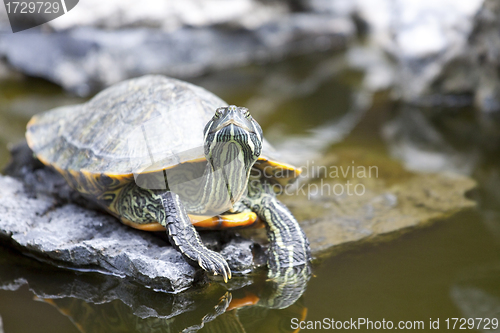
(185, 238)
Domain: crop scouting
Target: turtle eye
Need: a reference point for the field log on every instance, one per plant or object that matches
(218, 113)
(245, 112)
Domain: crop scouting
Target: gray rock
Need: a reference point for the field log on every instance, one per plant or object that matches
(413, 139)
(466, 63)
(238, 254)
(69, 231)
(422, 36)
(72, 235)
(429, 51)
(44, 218)
(85, 58)
(340, 207)
(168, 15)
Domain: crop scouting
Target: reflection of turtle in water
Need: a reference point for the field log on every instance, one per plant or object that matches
(235, 312)
(153, 150)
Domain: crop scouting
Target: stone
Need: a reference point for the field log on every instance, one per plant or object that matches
(88, 240)
(98, 242)
(166, 15)
(412, 138)
(97, 44)
(378, 200)
(41, 216)
(238, 253)
(429, 52)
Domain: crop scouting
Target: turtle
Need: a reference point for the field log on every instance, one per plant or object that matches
(163, 154)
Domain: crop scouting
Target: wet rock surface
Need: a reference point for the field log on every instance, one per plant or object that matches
(69, 231)
(87, 240)
(42, 217)
(392, 200)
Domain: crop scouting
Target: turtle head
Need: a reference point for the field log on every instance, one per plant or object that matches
(232, 134)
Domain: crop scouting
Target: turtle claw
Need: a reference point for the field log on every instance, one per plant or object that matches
(214, 263)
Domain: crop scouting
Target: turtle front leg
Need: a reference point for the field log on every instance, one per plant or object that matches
(185, 238)
(289, 246)
(141, 206)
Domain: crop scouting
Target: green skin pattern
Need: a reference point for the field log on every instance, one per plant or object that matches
(232, 145)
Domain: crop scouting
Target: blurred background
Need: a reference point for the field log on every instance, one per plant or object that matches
(409, 86)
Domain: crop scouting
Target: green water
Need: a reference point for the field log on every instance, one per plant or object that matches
(448, 269)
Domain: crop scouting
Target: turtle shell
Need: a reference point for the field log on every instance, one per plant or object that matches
(142, 125)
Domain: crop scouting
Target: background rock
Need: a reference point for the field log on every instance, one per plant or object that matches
(428, 51)
(413, 138)
(97, 44)
(389, 202)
